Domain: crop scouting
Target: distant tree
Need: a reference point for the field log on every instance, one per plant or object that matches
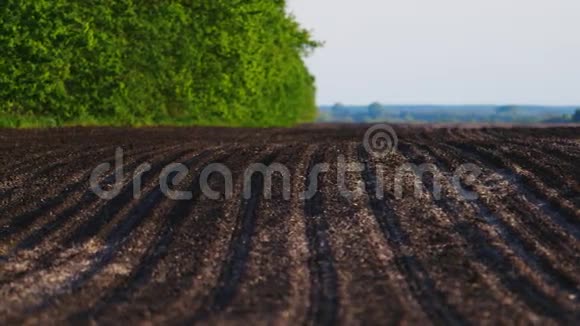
(507, 110)
(339, 110)
(576, 117)
(375, 110)
(337, 106)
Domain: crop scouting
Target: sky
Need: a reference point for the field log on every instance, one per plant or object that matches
(444, 51)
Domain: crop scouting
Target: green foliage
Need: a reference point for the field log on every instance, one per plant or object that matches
(139, 62)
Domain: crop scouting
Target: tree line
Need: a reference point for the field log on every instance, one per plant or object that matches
(141, 62)
(377, 112)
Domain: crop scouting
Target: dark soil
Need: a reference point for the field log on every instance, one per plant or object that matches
(405, 256)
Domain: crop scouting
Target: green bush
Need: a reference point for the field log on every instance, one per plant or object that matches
(141, 62)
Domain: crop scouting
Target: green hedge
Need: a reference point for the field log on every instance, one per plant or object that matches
(142, 62)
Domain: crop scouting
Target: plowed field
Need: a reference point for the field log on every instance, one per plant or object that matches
(404, 256)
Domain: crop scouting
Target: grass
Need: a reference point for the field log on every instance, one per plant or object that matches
(31, 121)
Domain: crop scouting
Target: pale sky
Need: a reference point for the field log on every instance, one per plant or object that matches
(444, 51)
